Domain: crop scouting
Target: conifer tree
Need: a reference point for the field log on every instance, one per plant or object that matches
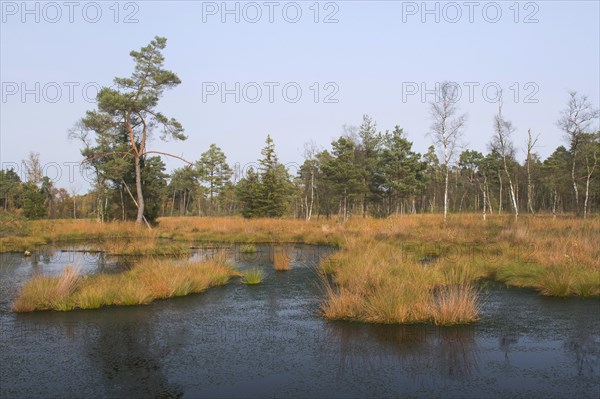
(275, 184)
(214, 172)
(248, 191)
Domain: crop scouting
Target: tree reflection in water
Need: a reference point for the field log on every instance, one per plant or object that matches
(129, 356)
(506, 342)
(584, 346)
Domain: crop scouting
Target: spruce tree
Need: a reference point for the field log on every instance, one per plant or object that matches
(275, 187)
(343, 173)
(33, 202)
(214, 172)
(248, 191)
(367, 157)
(403, 173)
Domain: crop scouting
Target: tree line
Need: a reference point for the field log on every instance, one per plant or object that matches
(365, 171)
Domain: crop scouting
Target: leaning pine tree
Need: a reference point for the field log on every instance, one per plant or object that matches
(131, 106)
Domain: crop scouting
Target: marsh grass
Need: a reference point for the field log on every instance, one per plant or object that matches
(328, 265)
(252, 276)
(42, 232)
(139, 247)
(374, 282)
(149, 280)
(456, 304)
(341, 303)
(378, 274)
(281, 260)
(20, 244)
(42, 292)
(248, 248)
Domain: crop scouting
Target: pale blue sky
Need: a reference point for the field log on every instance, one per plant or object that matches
(372, 52)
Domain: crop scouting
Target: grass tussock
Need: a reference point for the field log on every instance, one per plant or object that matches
(281, 260)
(456, 304)
(342, 304)
(42, 292)
(376, 282)
(248, 248)
(252, 276)
(147, 281)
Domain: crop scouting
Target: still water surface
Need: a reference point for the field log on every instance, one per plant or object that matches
(269, 341)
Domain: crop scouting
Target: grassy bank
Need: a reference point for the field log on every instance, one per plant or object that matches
(30, 234)
(556, 257)
(395, 270)
(147, 281)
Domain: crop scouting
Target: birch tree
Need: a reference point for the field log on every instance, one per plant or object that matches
(446, 130)
(308, 171)
(531, 142)
(590, 150)
(502, 144)
(574, 121)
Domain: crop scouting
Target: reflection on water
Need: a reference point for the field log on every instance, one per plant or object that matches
(270, 341)
(450, 352)
(584, 348)
(133, 356)
(457, 352)
(508, 342)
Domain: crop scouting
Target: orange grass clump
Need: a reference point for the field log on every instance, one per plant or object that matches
(281, 259)
(147, 281)
(456, 304)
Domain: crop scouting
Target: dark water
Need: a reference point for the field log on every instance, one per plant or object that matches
(269, 341)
